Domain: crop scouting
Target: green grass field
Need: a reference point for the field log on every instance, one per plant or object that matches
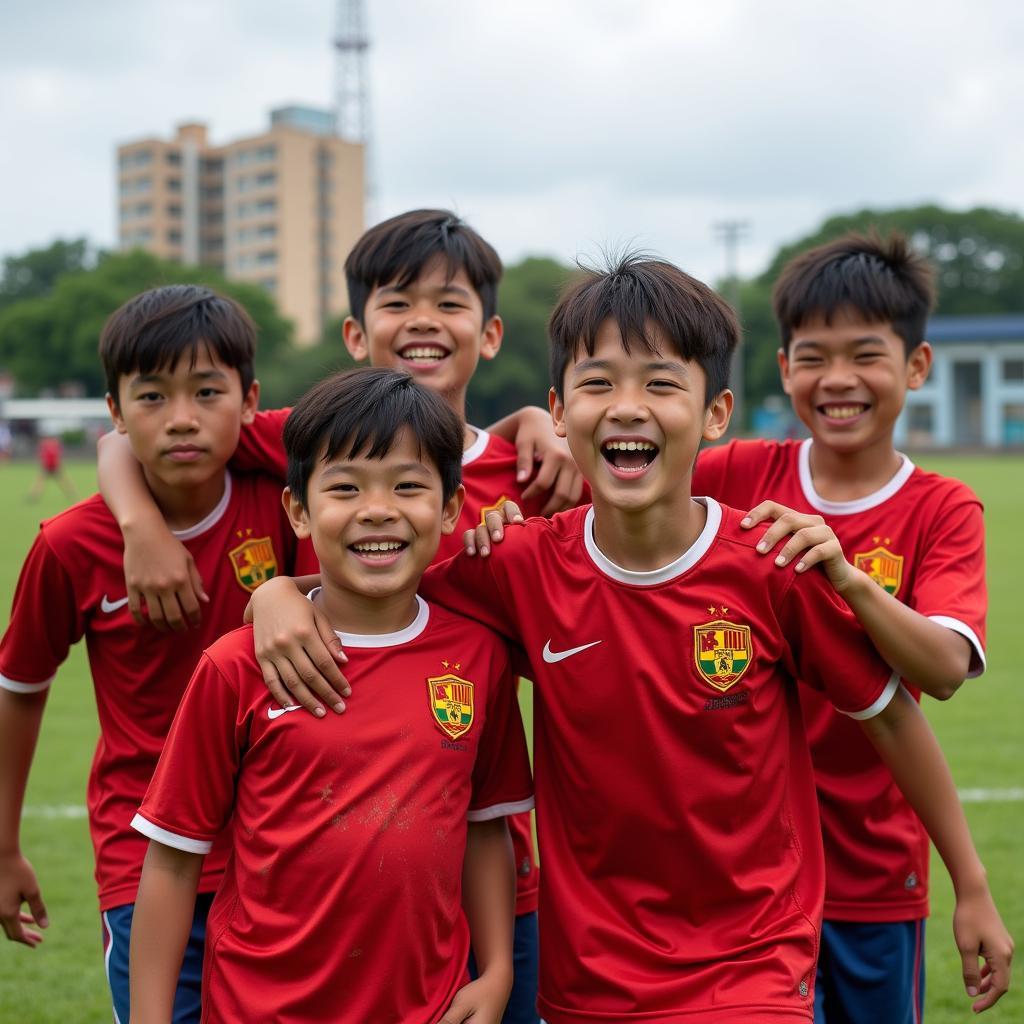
(980, 729)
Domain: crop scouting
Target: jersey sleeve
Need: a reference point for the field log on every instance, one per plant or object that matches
(949, 582)
(831, 652)
(45, 622)
(502, 783)
(191, 795)
(260, 445)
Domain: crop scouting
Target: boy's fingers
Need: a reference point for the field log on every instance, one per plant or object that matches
(197, 583)
(803, 540)
(511, 512)
(494, 523)
(312, 677)
(37, 908)
(469, 542)
(525, 453)
(154, 610)
(561, 494)
(759, 513)
(335, 654)
(481, 539)
(172, 613)
(543, 481)
(291, 690)
(135, 606)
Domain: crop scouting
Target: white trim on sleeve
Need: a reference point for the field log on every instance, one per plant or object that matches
(172, 839)
(879, 705)
(14, 686)
(500, 810)
(970, 636)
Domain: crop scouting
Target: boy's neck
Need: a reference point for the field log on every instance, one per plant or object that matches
(184, 507)
(350, 612)
(846, 476)
(651, 538)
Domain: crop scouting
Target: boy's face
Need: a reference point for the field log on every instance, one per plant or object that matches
(375, 523)
(634, 420)
(848, 380)
(433, 328)
(183, 422)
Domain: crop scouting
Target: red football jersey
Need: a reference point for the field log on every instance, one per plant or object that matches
(342, 900)
(683, 876)
(489, 476)
(922, 538)
(72, 585)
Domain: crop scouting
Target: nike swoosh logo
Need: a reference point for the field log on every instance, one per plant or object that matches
(273, 713)
(553, 657)
(112, 606)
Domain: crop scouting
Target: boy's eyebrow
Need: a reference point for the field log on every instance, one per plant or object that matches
(672, 365)
(811, 343)
(349, 467)
(155, 378)
(393, 289)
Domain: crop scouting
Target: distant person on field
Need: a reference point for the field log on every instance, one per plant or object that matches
(50, 453)
(5, 441)
(179, 368)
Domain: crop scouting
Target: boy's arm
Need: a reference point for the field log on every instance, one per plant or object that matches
(161, 924)
(906, 743)
(531, 432)
(488, 898)
(20, 717)
(158, 569)
(921, 650)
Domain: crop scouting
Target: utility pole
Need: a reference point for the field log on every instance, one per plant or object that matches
(730, 233)
(352, 90)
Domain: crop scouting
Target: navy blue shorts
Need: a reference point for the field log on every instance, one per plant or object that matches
(869, 973)
(117, 927)
(522, 1003)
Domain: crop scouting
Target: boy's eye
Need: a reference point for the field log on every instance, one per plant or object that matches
(808, 361)
(149, 396)
(594, 382)
(663, 385)
(448, 304)
(867, 357)
(409, 485)
(209, 392)
(344, 488)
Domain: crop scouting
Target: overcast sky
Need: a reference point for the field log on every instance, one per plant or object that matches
(557, 126)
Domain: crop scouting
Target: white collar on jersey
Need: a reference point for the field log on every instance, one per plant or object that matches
(847, 508)
(212, 518)
(685, 561)
(478, 447)
(403, 636)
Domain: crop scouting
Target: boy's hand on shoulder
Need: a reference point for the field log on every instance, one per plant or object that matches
(480, 1002)
(980, 933)
(18, 885)
(556, 473)
(492, 530)
(811, 541)
(160, 573)
(297, 650)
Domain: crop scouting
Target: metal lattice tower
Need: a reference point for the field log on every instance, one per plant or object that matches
(352, 86)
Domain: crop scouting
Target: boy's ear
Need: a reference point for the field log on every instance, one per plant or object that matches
(355, 339)
(919, 365)
(115, 414)
(452, 510)
(717, 415)
(783, 369)
(490, 340)
(251, 402)
(557, 407)
(296, 512)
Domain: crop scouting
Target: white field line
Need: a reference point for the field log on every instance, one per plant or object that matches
(967, 796)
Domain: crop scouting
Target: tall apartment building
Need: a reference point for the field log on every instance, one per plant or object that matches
(281, 209)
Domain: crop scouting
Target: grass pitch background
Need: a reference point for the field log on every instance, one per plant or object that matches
(981, 731)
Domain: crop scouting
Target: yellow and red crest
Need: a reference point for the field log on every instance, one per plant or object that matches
(885, 568)
(451, 703)
(722, 652)
(496, 507)
(254, 562)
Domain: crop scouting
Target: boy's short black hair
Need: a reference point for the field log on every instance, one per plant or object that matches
(397, 250)
(155, 329)
(639, 292)
(363, 410)
(879, 279)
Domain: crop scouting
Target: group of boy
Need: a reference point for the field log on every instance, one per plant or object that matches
(360, 860)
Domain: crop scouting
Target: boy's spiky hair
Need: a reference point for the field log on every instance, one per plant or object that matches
(397, 250)
(157, 328)
(362, 411)
(881, 280)
(638, 293)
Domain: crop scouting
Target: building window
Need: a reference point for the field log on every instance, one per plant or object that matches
(174, 184)
(174, 210)
(173, 158)
(269, 284)
(1013, 371)
(143, 209)
(266, 180)
(1013, 423)
(174, 238)
(920, 424)
(267, 258)
(212, 192)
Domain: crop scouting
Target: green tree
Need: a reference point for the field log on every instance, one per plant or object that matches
(34, 274)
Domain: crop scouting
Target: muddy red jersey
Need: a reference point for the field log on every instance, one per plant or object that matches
(683, 876)
(921, 537)
(489, 476)
(72, 586)
(342, 900)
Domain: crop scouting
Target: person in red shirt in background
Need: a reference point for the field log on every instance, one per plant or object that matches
(368, 850)
(50, 453)
(852, 314)
(423, 290)
(179, 369)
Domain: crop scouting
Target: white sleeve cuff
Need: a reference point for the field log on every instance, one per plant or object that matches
(879, 705)
(172, 839)
(18, 687)
(977, 666)
(500, 810)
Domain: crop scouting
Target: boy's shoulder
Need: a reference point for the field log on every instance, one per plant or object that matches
(87, 522)
(931, 491)
(443, 623)
(234, 654)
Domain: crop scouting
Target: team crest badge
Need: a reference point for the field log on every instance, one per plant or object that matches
(451, 703)
(496, 507)
(885, 568)
(254, 562)
(722, 652)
